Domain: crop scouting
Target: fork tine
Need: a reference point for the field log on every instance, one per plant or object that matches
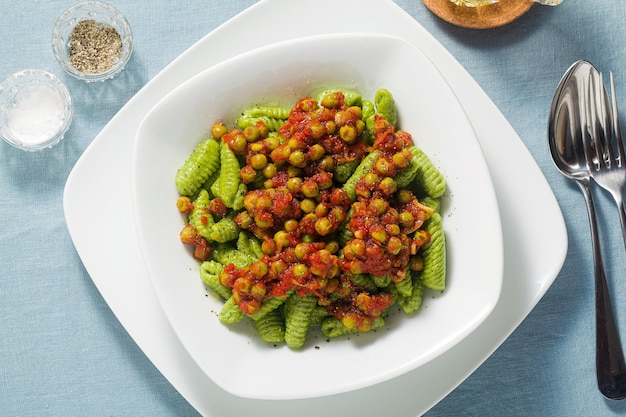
(617, 129)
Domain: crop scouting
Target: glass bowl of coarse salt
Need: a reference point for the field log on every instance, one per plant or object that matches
(35, 110)
(92, 41)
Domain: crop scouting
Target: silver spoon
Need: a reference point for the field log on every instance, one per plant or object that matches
(567, 124)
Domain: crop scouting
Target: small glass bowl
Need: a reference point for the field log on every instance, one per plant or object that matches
(35, 110)
(104, 15)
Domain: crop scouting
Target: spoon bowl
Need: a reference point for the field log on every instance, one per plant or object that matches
(566, 121)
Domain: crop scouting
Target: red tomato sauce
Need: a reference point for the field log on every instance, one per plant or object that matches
(298, 208)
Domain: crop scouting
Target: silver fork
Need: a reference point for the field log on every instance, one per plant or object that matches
(601, 139)
(605, 152)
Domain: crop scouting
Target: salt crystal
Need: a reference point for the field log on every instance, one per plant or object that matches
(36, 115)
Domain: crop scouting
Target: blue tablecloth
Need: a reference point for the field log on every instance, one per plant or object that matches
(62, 350)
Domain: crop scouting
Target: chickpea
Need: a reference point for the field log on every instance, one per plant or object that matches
(252, 306)
(307, 104)
(363, 192)
(295, 144)
(366, 324)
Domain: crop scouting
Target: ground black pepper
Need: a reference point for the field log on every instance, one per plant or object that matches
(94, 47)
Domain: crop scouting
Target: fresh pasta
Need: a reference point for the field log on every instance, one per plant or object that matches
(321, 215)
(203, 162)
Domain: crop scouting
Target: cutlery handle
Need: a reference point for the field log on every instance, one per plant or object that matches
(610, 367)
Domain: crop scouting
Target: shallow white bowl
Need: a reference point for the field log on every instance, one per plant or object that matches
(233, 356)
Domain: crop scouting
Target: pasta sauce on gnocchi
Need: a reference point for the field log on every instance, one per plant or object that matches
(323, 214)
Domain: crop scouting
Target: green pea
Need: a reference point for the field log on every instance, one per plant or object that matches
(348, 133)
(291, 225)
(307, 205)
(269, 171)
(218, 130)
(258, 161)
(323, 226)
(294, 184)
(297, 159)
(300, 270)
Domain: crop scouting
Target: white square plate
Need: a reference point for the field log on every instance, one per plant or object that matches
(114, 260)
(234, 357)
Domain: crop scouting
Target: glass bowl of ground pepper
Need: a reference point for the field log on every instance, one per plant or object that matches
(92, 41)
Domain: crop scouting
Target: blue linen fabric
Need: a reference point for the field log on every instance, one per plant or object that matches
(63, 352)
